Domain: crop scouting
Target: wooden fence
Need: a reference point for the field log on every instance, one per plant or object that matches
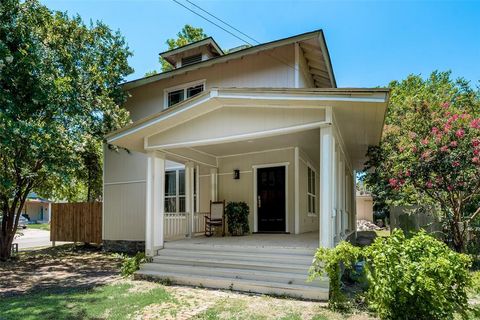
(76, 222)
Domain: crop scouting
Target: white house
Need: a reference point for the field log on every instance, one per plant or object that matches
(271, 113)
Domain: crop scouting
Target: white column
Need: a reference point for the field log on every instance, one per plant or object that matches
(340, 197)
(155, 205)
(327, 186)
(214, 184)
(297, 191)
(189, 170)
(353, 202)
(49, 211)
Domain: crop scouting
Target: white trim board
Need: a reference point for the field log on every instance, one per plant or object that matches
(255, 192)
(241, 137)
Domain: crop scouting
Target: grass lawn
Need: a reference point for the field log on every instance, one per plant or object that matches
(115, 301)
(40, 226)
(76, 282)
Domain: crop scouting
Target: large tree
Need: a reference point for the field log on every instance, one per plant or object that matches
(187, 35)
(430, 151)
(59, 95)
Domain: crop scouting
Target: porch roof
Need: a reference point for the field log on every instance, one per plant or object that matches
(358, 113)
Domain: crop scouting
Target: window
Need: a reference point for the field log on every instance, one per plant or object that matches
(311, 194)
(178, 94)
(175, 97)
(171, 191)
(175, 190)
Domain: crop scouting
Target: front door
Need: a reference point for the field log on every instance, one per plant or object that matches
(271, 199)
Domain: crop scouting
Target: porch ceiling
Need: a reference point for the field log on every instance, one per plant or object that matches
(308, 141)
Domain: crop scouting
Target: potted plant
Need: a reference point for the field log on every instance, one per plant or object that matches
(237, 218)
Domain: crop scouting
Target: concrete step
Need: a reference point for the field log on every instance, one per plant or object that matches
(232, 255)
(285, 266)
(265, 287)
(234, 273)
(192, 245)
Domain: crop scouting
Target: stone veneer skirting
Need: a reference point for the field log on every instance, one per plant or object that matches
(125, 246)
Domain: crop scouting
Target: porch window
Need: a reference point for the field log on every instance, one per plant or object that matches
(180, 93)
(175, 191)
(311, 194)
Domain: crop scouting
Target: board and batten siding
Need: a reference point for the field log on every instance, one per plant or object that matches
(124, 195)
(270, 69)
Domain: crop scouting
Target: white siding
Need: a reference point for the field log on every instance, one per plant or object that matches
(273, 68)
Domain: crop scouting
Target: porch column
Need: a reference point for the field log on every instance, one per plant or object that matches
(155, 205)
(49, 211)
(189, 198)
(214, 184)
(341, 198)
(297, 191)
(327, 186)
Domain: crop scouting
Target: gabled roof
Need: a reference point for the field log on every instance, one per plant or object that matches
(320, 49)
(359, 112)
(209, 43)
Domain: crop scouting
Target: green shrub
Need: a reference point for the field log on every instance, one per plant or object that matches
(408, 278)
(329, 261)
(132, 264)
(416, 278)
(237, 218)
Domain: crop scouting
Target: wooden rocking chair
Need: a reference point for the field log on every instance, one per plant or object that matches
(216, 218)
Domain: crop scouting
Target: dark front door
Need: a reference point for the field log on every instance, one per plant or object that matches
(271, 199)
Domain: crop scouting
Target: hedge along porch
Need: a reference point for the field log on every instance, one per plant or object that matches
(296, 151)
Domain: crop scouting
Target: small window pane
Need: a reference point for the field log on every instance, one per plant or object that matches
(175, 97)
(181, 182)
(170, 188)
(170, 204)
(181, 203)
(194, 90)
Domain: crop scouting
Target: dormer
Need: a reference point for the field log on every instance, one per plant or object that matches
(191, 53)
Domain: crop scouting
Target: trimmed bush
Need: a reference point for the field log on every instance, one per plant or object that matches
(416, 278)
(408, 278)
(237, 218)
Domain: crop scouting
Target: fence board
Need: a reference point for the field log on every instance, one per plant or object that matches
(76, 222)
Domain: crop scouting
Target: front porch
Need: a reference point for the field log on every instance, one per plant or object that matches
(290, 154)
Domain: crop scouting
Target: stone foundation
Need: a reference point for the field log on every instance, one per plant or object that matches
(124, 246)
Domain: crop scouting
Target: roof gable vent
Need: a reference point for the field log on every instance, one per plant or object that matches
(191, 59)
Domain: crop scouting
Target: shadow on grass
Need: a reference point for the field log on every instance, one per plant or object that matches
(110, 301)
(57, 269)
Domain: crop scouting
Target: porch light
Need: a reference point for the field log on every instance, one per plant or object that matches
(236, 174)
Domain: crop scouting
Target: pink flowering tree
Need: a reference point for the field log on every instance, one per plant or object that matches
(430, 151)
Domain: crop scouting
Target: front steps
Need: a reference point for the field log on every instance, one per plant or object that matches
(266, 270)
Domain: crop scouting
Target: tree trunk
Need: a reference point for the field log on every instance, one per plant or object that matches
(6, 241)
(457, 234)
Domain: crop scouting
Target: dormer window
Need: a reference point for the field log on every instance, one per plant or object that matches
(191, 60)
(179, 93)
(192, 53)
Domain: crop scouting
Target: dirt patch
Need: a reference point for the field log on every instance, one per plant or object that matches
(58, 269)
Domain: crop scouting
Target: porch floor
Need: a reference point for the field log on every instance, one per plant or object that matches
(305, 241)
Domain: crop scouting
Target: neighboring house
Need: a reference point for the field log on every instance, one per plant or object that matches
(265, 125)
(37, 209)
(364, 205)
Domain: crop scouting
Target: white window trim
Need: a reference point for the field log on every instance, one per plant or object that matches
(314, 195)
(183, 86)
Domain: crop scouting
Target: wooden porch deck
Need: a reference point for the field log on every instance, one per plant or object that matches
(308, 240)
